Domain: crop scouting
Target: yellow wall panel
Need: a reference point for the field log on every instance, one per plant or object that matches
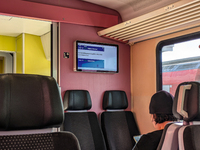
(35, 60)
(19, 54)
(7, 43)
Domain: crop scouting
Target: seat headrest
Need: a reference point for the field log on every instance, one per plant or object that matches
(115, 99)
(77, 100)
(187, 101)
(29, 102)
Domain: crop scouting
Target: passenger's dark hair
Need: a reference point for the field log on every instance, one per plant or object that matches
(160, 118)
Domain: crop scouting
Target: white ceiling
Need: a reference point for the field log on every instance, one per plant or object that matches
(14, 26)
(130, 9)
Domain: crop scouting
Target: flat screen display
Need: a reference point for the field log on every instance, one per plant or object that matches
(95, 57)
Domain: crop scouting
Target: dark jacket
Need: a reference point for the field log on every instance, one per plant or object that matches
(149, 141)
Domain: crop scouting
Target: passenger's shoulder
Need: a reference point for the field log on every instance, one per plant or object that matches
(156, 133)
(149, 141)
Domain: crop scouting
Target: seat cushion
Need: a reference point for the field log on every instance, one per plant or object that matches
(86, 128)
(189, 137)
(119, 128)
(29, 102)
(50, 141)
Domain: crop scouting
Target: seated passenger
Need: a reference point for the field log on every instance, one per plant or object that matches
(160, 109)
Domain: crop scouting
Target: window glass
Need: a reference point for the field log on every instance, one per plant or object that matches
(180, 63)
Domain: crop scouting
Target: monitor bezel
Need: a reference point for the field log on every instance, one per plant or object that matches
(93, 71)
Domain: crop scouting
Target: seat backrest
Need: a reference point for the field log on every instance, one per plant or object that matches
(118, 127)
(32, 102)
(189, 103)
(83, 124)
(169, 139)
(183, 109)
(189, 137)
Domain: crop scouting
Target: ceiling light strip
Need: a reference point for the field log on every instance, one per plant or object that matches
(178, 16)
(155, 22)
(158, 18)
(168, 23)
(150, 32)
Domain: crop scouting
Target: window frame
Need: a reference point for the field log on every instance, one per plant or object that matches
(179, 39)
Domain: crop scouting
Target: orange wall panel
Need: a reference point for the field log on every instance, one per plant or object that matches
(143, 77)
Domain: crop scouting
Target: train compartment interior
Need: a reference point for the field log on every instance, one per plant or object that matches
(155, 46)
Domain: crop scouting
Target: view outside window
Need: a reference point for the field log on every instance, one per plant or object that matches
(180, 63)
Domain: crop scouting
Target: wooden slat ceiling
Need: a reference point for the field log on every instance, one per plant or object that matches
(175, 16)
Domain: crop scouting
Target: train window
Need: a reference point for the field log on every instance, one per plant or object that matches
(179, 61)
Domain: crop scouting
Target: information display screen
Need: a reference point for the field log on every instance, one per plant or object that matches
(96, 57)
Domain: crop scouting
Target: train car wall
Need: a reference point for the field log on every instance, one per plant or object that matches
(143, 76)
(79, 21)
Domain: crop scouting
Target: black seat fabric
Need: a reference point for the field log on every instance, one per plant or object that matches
(188, 96)
(30, 102)
(48, 141)
(189, 135)
(191, 138)
(191, 103)
(118, 127)
(84, 125)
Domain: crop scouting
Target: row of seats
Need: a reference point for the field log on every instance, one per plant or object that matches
(118, 126)
(31, 112)
(186, 107)
(31, 109)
